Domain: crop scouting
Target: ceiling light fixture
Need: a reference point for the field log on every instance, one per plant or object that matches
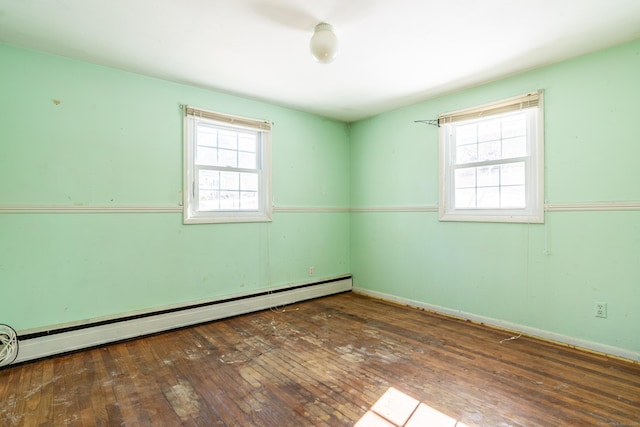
(324, 43)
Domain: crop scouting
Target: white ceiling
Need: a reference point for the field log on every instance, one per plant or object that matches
(392, 52)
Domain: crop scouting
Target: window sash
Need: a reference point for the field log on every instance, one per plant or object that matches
(240, 190)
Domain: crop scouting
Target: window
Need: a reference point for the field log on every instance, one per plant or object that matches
(491, 162)
(227, 168)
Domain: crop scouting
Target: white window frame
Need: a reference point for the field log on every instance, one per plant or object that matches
(192, 212)
(533, 211)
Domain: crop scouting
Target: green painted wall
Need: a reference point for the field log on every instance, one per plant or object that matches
(115, 139)
(542, 276)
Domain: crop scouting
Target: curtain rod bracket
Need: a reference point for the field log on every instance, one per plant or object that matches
(431, 122)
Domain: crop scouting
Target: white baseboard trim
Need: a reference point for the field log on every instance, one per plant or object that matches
(85, 336)
(502, 324)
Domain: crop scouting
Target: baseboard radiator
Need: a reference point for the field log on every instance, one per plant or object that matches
(67, 339)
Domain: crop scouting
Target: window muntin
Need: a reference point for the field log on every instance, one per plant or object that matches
(227, 166)
(491, 164)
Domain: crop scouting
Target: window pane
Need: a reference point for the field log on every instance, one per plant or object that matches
(249, 181)
(465, 198)
(248, 200)
(489, 176)
(206, 156)
(514, 147)
(514, 126)
(247, 160)
(247, 142)
(208, 186)
(513, 197)
(209, 200)
(228, 139)
(489, 151)
(489, 130)
(465, 178)
(488, 197)
(229, 200)
(206, 143)
(228, 158)
(206, 136)
(467, 134)
(512, 174)
(208, 180)
(230, 181)
(466, 154)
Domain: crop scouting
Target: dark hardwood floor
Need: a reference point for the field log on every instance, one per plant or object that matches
(334, 361)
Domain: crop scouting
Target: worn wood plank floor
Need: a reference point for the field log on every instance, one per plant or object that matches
(328, 362)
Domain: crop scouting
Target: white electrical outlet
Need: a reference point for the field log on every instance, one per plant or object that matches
(601, 310)
(312, 271)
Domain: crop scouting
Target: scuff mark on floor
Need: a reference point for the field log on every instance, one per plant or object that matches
(184, 400)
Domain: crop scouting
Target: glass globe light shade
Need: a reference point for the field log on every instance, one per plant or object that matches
(324, 43)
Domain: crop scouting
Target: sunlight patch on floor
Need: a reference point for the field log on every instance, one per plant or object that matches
(397, 409)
